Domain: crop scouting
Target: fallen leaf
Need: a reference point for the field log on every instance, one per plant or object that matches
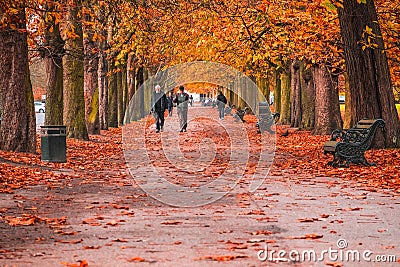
(91, 247)
(334, 264)
(21, 221)
(120, 240)
(136, 259)
(308, 219)
(75, 241)
(172, 222)
(307, 236)
(222, 258)
(112, 223)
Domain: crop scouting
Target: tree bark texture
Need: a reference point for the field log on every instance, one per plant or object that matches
(140, 93)
(74, 104)
(120, 98)
(347, 109)
(277, 92)
(52, 53)
(285, 97)
(18, 125)
(307, 99)
(295, 95)
(91, 89)
(103, 87)
(102, 77)
(327, 111)
(368, 71)
(131, 76)
(112, 97)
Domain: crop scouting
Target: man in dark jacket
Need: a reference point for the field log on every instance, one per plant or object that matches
(221, 102)
(158, 107)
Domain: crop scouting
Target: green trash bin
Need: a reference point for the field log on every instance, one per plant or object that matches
(53, 143)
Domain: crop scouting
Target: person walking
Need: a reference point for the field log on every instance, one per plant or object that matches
(170, 104)
(158, 107)
(221, 102)
(181, 100)
(191, 100)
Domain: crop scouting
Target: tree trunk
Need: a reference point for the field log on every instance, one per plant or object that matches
(263, 86)
(103, 88)
(285, 98)
(91, 90)
(112, 97)
(125, 101)
(102, 70)
(131, 76)
(74, 104)
(327, 111)
(277, 92)
(307, 99)
(295, 95)
(140, 93)
(120, 98)
(52, 52)
(18, 125)
(368, 71)
(347, 109)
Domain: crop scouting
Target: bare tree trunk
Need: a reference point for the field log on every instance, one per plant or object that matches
(18, 125)
(347, 109)
(125, 100)
(371, 92)
(295, 95)
(139, 82)
(327, 111)
(74, 104)
(131, 76)
(307, 99)
(91, 90)
(103, 90)
(120, 98)
(52, 51)
(112, 97)
(262, 84)
(102, 81)
(285, 98)
(277, 92)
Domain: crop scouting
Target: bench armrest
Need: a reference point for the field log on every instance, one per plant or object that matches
(337, 134)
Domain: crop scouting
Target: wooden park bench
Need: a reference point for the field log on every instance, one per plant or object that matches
(353, 143)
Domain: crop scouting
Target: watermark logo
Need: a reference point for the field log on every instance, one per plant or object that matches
(340, 253)
(160, 181)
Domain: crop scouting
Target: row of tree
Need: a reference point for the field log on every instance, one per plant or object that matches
(98, 53)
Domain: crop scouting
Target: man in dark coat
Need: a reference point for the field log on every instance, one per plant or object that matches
(221, 102)
(158, 107)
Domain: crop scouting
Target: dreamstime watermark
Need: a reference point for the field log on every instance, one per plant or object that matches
(340, 253)
(142, 159)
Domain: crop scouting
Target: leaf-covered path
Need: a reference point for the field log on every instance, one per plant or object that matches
(91, 211)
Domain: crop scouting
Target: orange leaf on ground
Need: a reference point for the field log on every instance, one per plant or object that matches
(307, 236)
(21, 221)
(136, 259)
(82, 263)
(334, 264)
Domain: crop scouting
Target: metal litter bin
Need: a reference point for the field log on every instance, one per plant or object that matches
(53, 143)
